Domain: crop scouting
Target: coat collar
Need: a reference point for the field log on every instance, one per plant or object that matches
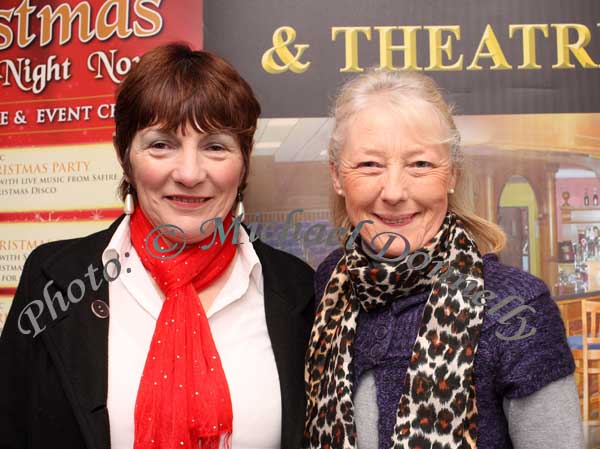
(72, 261)
(78, 340)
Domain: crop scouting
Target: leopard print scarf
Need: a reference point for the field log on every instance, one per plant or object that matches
(438, 408)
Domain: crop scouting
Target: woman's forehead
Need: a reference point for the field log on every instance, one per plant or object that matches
(410, 113)
(378, 125)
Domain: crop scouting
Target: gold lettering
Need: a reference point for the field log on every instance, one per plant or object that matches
(6, 33)
(148, 15)
(564, 48)
(105, 30)
(282, 38)
(529, 53)
(409, 47)
(23, 11)
(67, 17)
(437, 49)
(351, 42)
(490, 42)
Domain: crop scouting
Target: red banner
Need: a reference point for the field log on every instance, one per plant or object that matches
(61, 60)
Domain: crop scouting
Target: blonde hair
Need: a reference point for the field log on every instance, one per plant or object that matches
(407, 90)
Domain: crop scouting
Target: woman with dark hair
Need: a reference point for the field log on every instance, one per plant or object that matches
(206, 336)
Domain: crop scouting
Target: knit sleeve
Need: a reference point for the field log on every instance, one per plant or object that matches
(532, 346)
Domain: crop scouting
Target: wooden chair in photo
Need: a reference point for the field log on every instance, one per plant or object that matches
(586, 352)
(570, 312)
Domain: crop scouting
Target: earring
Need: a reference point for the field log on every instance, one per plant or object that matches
(239, 209)
(450, 191)
(129, 205)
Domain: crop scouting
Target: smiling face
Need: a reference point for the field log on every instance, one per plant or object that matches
(388, 174)
(185, 178)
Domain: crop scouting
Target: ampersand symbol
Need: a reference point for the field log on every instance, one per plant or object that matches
(20, 118)
(282, 37)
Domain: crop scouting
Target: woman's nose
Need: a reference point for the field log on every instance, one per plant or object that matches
(189, 168)
(395, 185)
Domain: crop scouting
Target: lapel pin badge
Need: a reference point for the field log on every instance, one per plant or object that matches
(100, 308)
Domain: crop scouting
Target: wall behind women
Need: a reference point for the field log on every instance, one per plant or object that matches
(520, 194)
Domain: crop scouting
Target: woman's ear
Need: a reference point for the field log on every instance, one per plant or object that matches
(335, 177)
(453, 177)
(244, 174)
(114, 142)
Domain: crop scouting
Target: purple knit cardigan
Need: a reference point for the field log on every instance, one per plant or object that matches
(503, 369)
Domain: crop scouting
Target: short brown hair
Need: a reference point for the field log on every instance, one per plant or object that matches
(172, 86)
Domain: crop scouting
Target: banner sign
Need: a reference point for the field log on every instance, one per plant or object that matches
(508, 57)
(60, 62)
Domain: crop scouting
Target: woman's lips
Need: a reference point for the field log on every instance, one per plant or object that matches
(187, 202)
(396, 220)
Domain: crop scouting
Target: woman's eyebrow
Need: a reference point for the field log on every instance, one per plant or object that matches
(156, 132)
(416, 150)
(218, 135)
(369, 150)
(413, 150)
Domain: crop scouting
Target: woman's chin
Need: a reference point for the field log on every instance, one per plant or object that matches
(391, 249)
(395, 252)
(188, 230)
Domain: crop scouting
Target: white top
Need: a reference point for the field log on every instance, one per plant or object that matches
(239, 328)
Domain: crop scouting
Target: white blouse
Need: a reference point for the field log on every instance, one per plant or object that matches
(239, 328)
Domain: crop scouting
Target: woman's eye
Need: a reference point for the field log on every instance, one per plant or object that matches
(216, 147)
(160, 145)
(368, 164)
(422, 164)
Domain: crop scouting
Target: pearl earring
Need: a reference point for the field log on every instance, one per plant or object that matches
(129, 205)
(450, 191)
(239, 209)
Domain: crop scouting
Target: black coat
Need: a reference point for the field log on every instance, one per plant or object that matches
(53, 388)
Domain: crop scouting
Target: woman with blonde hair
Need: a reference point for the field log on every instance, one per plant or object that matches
(414, 345)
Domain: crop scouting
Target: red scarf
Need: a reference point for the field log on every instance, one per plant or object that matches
(183, 397)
